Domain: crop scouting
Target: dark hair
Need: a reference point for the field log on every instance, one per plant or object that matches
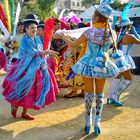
(117, 29)
(81, 25)
(20, 23)
(101, 17)
(42, 27)
(27, 24)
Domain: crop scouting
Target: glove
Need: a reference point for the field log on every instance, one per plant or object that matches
(71, 75)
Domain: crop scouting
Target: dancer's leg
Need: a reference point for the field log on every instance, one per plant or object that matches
(25, 115)
(99, 101)
(88, 100)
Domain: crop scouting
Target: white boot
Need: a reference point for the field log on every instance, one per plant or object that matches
(98, 112)
(112, 89)
(88, 99)
(124, 84)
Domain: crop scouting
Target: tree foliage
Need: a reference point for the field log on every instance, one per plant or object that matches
(42, 8)
(88, 3)
(46, 7)
(116, 5)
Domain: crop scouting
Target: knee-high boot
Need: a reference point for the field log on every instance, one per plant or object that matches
(112, 89)
(112, 96)
(121, 87)
(98, 112)
(88, 99)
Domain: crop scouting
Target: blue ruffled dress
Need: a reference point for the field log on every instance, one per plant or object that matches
(88, 65)
(125, 49)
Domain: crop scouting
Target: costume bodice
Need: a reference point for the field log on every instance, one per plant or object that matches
(93, 48)
(95, 40)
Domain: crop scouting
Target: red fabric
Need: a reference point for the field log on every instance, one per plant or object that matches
(62, 57)
(48, 31)
(2, 60)
(29, 100)
(64, 25)
(52, 64)
(88, 24)
(3, 17)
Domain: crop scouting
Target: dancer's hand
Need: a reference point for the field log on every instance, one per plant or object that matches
(53, 53)
(50, 52)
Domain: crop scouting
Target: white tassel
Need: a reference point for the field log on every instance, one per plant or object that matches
(100, 59)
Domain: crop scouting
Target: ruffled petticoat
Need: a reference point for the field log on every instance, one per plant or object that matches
(130, 61)
(119, 59)
(86, 67)
(29, 100)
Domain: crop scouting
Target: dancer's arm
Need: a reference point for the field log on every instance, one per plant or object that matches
(134, 40)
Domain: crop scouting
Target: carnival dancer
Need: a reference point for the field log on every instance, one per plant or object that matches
(125, 43)
(30, 83)
(95, 66)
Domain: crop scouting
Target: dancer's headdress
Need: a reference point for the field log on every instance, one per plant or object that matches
(124, 18)
(104, 8)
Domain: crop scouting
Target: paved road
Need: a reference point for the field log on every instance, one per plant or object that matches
(1, 80)
(65, 120)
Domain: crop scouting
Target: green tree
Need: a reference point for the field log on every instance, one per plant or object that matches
(46, 8)
(42, 8)
(88, 3)
(116, 5)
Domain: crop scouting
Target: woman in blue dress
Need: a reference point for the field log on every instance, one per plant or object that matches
(125, 43)
(95, 66)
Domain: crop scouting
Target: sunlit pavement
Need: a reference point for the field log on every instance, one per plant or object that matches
(65, 119)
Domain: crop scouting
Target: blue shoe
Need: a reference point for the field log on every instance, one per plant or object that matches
(87, 129)
(97, 131)
(88, 124)
(110, 101)
(116, 103)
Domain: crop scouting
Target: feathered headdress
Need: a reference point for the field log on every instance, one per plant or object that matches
(124, 18)
(48, 31)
